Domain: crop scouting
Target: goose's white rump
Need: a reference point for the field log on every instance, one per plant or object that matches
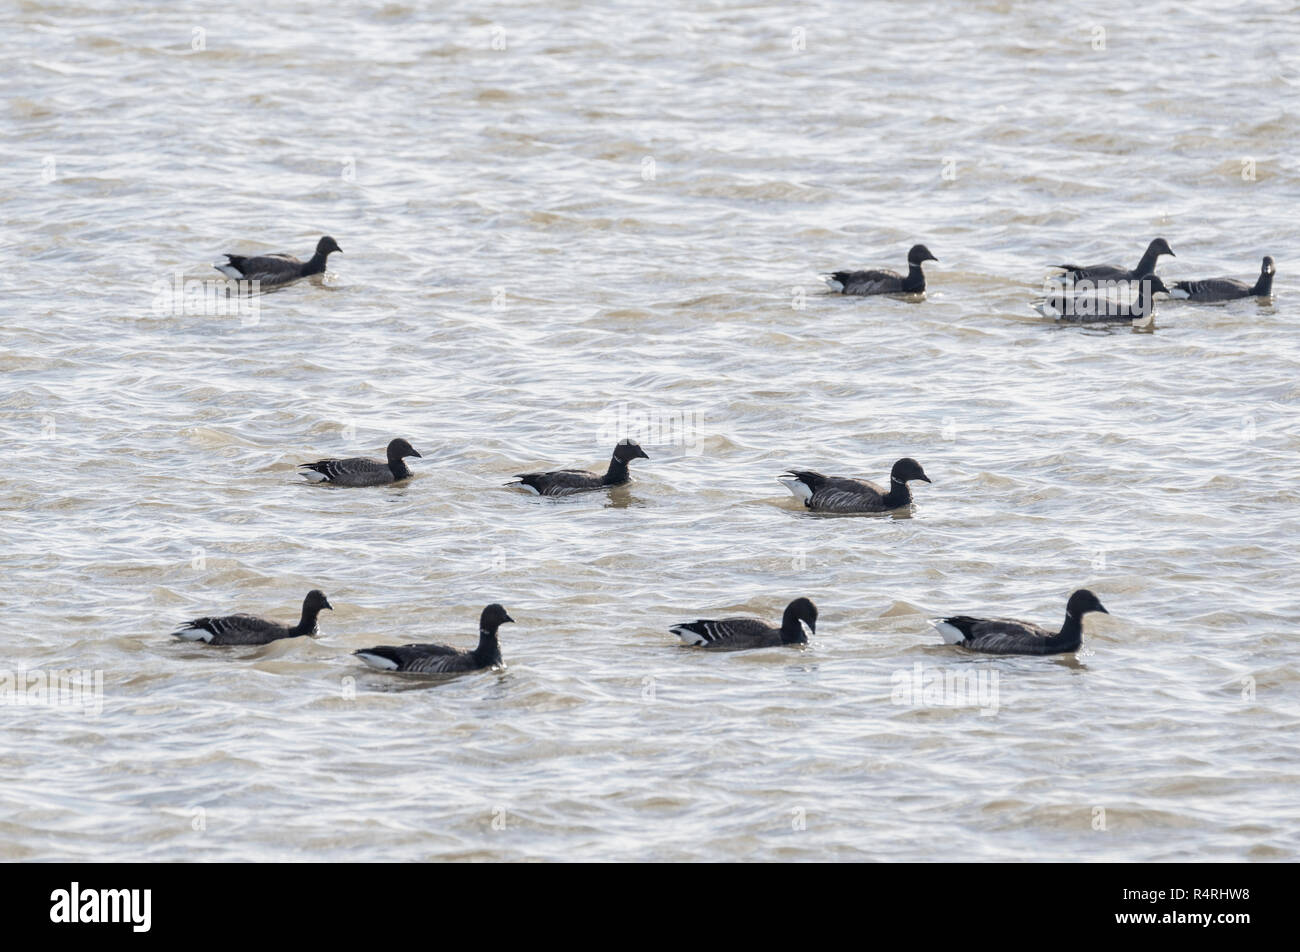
(951, 634)
(377, 661)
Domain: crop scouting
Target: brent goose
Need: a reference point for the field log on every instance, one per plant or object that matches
(839, 494)
(1006, 636)
(1109, 272)
(251, 630)
(360, 470)
(280, 268)
(441, 659)
(1225, 289)
(565, 482)
(734, 634)
(1097, 307)
(884, 282)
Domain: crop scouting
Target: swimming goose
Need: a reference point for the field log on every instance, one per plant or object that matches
(1006, 636)
(838, 494)
(1225, 289)
(251, 630)
(565, 482)
(1109, 272)
(280, 268)
(735, 634)
(883, 282)
(442, 659)
(360, 470)
(1097, 307)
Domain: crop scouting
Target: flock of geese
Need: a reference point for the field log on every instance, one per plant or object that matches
(1084, 295)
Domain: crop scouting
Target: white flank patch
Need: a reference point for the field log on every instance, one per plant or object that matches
(951, 634)
(230, 271)
(1179, 294)
(312, 476)
(377, 661)
(194, 634)
(688, 637)
(1045, 308)
(832, 283)
(798, 488)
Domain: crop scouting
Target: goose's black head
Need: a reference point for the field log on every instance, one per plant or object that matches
(800, 610)
(918, 254)
(327, 246)
(906, 470)
(315, 601)
(493, 617)
(1158, 247)
(400, 449)
(1267, 267)
(1084, 601)
(628, 450)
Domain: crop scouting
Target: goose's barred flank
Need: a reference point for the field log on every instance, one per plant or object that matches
(361, 471)
(1110, 272)
(251, 630)
(1213, 290)
(735, 634)
(279, 268)
(443, 659)
(842, 495)
(884, 282)
(566, 482)
(1007, 636)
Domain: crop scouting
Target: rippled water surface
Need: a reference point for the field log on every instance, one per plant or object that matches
(561, 223)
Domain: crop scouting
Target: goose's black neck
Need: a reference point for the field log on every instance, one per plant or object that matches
(1264, 286)
(488, 651)
(1148, 262)
(899, 495)
(316, 265)
(398, 466)
(617, 473)
(307, 624)
(792, 632)
(914, 283)
(1070, 636)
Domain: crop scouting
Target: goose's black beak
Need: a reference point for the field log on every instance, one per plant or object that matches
(328, 605)
(508, 619)
(931, 258)
(415, 452)
(926, 478)
(1102, 608)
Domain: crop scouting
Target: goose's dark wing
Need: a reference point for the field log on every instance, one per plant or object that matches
(1210, 289)
(356, 471)
(231, 630)
(838, 494)
(268, 269)
(867, 282)
(1095, 272)
(1001, 635)
(727, 633)
(419, 659)
(560, 482)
